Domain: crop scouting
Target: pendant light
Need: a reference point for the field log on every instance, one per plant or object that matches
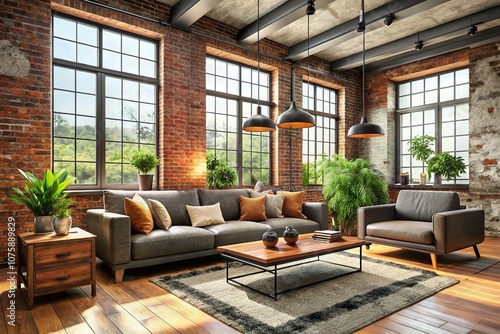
(364, 129)
(295, 118)
(258, 122)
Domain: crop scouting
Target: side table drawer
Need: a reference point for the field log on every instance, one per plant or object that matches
(63, 252)
(67, 275)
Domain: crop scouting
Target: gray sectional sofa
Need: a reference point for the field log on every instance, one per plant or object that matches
(121, 249)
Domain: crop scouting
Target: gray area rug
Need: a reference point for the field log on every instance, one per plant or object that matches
(341, 305)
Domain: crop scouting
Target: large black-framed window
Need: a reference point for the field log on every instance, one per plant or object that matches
(438, 106)
(321, 140)
(105, 103)
(233, 92)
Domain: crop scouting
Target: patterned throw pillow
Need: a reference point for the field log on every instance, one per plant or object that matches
(205, 215)
(274, 203)
(253, 208)
(141, 219)
(292, 206)
(161, 217)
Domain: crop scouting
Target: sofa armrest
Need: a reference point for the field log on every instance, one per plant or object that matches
(374, 214)
(458, 229)
(318, 212)
(113, 233)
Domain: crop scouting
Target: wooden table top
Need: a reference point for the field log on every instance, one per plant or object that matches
(74, 234)
(255, 251)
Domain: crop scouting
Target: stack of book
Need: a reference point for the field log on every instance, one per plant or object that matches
(326, 236)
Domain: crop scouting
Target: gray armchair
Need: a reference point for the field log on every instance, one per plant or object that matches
(426, 221)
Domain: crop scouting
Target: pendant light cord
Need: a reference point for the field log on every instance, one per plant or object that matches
(363, 70)
(258, 56)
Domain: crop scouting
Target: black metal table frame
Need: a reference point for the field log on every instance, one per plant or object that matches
(274, 271)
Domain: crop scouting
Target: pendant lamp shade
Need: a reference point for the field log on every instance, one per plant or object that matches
(259, 123)
(364, 129)
(295, 118)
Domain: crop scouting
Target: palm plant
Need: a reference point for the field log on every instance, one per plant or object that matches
(348, 185)
(42, 194)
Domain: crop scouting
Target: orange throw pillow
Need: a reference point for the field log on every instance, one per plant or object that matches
(253, 208)
(292, 205)
(141, 219)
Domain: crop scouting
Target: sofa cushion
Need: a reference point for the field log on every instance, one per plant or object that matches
(205, 215)
(160, 214)
(402, 230)
(253, 208)
(292, 205)
(274, 203)
(177, 240)
(229, 200)
(141, 220)
(422, 205)
(237, 231)
(175, 202)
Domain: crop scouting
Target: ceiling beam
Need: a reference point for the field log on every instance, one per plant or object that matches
(345, 31)
(186, 12)
(480, 38)
(407, 43)
(276, 19)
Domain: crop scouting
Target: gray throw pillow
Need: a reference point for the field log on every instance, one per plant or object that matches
(274, 203)
(259, 186)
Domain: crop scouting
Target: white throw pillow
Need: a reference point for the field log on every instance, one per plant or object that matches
(205, 215)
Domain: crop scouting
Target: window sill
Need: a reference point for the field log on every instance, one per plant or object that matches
(460, 187)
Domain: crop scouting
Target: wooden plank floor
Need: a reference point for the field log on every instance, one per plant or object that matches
(138, 306)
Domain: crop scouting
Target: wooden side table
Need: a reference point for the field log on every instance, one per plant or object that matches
(48, 263)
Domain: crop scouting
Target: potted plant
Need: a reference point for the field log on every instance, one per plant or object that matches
(62, 215)
(441, 165)
(41, 196)
(348, 185)
(145, 161)
(420, 150)
(445, 165)
(219, 174)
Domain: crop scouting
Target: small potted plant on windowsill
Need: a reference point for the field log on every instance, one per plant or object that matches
(420, 150)
(145, 161)
(445, 165)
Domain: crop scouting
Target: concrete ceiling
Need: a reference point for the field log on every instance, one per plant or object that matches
(442, 25)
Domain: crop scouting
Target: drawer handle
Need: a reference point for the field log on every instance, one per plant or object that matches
(63, 254)
(63, 278)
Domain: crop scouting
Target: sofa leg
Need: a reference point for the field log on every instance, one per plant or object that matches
(434, 260)
(476, 251)
(119, 275)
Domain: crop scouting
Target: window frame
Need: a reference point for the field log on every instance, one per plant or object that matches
(437, 125)
(332, 115)
(240, 110)
(101, 73)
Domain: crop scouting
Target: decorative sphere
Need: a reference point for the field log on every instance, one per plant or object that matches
(290, 235)
(270, 239)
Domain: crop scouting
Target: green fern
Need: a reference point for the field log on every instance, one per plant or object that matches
(350, 184)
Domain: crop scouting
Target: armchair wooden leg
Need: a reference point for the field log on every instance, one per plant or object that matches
(476, 251)
(119, 275)
(434, 260)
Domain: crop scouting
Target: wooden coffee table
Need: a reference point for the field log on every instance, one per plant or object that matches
(255, 254)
